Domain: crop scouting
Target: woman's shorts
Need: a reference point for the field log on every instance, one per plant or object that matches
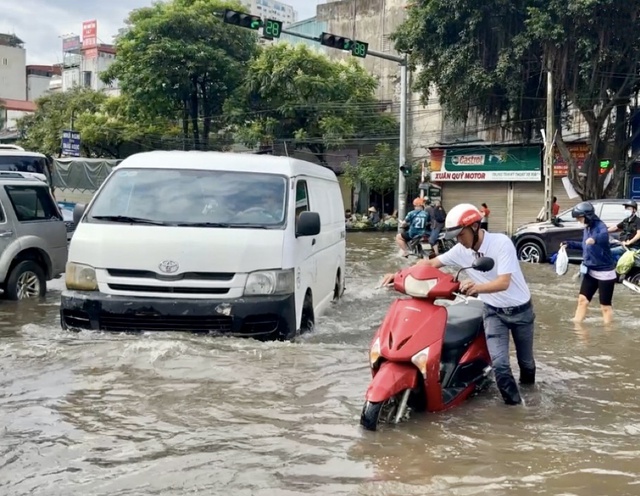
(605, 289)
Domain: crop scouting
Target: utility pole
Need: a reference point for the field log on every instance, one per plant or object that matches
(273, 29)
(550, 138)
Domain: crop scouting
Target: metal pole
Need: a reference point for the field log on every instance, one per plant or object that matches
(402, 157)
(549, 145)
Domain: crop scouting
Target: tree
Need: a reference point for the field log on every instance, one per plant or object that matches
(297, 95)
(104, 126)
(378, 171)
(490, 59)
(179, 61)
(2, 111)
(42, 130)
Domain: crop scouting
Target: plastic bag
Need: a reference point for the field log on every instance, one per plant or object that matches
(626, 262)
(562, 261)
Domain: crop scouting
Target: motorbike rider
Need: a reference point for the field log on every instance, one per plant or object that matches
(630, 227)
(503, 290)
(598, 263)
(417, 220)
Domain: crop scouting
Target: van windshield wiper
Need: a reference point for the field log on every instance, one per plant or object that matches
(128, 220)
(202, 224)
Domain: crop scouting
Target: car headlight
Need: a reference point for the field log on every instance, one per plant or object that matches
(269, 282)
(418, 288)
(420, 360)
(80, 277)
(374, 353)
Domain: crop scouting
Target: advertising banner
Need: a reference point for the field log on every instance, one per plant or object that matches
(578, 151)
(71, 44)
(486, 163)
(89, 34)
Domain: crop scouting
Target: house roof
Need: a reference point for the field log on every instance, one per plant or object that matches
(18, 105)
(55, 69)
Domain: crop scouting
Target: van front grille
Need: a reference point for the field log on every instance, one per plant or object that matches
(167, 289)
(193, 276)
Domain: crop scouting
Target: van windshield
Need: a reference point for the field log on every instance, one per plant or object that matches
(186, 197)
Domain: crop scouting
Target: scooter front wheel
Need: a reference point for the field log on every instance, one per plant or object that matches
(371, 411)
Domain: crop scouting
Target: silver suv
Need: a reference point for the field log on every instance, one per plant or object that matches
(33, 237)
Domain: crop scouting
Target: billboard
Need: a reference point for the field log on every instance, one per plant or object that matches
(71, 44)
(71, 143)
(89, 34)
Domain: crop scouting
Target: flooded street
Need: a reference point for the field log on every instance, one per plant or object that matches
(174, 414)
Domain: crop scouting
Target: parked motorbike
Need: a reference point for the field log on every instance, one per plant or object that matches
(421, 248)
(426, 356)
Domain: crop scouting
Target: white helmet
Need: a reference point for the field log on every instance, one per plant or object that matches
(459, 217)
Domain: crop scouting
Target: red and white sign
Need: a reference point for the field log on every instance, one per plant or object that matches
(89, 34)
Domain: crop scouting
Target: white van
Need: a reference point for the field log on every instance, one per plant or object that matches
(29, 164)
(237, 244)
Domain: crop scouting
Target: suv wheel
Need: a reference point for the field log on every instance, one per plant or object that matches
(27, 280)
(530, 252)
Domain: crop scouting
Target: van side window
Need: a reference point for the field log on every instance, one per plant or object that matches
(32, 203)
(302, 198)
(3, 219)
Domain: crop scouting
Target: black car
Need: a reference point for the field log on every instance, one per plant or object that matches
(537, 241)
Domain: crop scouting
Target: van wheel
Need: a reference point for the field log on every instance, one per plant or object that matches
(307, 323)
(338, 289)
(26, 281)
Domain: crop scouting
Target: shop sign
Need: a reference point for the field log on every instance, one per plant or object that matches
(485, 163)
(578, 151)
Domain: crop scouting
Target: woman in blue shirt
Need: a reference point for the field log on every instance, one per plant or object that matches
(600, 266)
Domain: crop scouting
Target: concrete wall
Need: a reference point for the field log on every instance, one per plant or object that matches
(373, 21)
(37, 86)
(13, 73)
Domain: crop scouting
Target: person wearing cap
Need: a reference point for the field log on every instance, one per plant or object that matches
(503, 290)
(417, 222)
(630, 227)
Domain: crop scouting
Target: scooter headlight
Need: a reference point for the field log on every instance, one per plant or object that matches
(420, 360)
(374, 353)
(418, 288)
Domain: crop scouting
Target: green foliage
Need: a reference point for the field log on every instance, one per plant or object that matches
(179, 61)
(490, 58)
(296, 94)
(105, 128)
(379, 171)
(42, 130)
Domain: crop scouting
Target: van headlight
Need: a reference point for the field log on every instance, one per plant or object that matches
(80, 277)
(269, 282)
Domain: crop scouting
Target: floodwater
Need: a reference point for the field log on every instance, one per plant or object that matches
(175, 414)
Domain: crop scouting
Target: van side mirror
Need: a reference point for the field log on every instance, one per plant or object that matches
(483, 264)
(556, 221)
(78, 212)
(308, 224)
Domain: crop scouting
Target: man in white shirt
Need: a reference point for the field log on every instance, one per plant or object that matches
(503, 290)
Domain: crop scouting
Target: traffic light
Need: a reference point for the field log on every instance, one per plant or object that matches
(406, 170)
(241, 19)
(335, 41)
(604, 166)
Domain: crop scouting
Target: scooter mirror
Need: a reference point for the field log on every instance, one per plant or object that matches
(483, 264)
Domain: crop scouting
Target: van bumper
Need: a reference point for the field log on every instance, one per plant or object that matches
(271, 317)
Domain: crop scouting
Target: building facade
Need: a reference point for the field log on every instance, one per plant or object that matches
(13, 63)
(39, 79)
(273, 10)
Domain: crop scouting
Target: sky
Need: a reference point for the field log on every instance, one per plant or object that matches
(42, 23)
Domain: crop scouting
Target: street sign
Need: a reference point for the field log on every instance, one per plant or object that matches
(71, 143)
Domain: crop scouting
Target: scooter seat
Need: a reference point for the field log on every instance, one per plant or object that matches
(464, 323)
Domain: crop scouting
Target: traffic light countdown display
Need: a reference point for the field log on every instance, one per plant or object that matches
(272, 28)
(357, 48)
(604, 166)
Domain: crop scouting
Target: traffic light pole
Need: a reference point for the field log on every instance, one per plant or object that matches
(402, 155)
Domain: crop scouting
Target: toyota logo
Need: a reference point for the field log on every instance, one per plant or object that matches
(169, 266)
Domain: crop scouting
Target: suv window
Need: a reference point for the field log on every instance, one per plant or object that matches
(32, 203)
(302, 198)
(612, 212)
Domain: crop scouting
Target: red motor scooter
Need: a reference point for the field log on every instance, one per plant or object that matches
(426, 356)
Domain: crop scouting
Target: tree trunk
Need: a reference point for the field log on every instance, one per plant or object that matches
(185, 124)
(195, 114)
(206, 118)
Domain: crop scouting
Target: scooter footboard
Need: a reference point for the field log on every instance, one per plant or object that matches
(391, 379)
